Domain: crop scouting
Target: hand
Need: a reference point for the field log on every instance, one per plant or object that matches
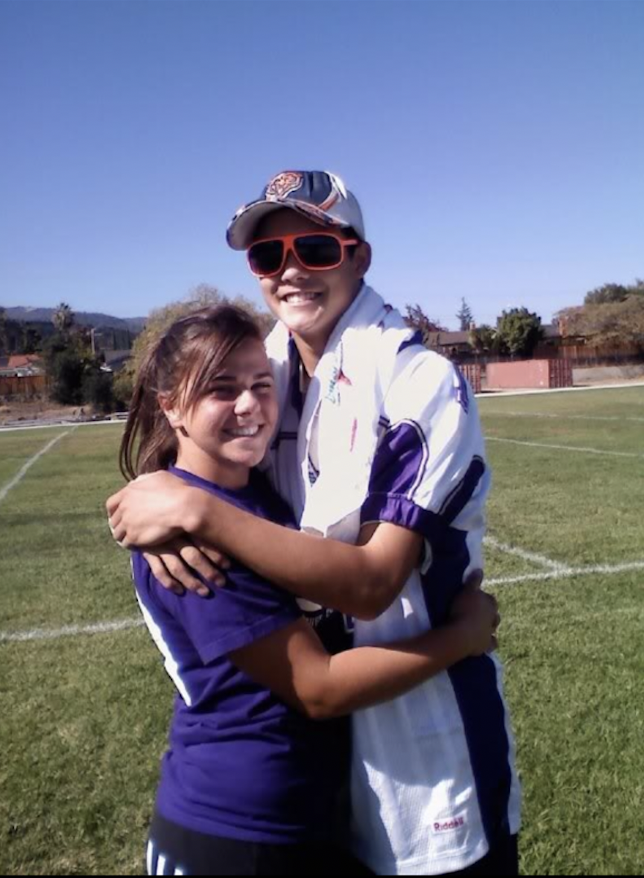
(478, 613)
(175, 564)
(148, 512)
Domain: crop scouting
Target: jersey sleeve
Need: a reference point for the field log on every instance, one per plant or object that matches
(240, 613)
(430, 472)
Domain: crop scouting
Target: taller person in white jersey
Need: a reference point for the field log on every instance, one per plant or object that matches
(380, 452)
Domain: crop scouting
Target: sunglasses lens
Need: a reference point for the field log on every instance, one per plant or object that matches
(318, 251)
(266, 257)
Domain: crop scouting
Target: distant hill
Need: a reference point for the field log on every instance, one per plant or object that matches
(44, 315)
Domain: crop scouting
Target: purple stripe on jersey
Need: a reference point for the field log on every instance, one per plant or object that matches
(484, 718)
(400, 460)
(456, 502)
(474, 680)
(415, 341)
(314, 472)
(463, 392)
(476, 689)
(297, 397)
(401, 511)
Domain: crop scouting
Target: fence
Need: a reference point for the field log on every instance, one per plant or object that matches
(474, 374)
(24, 386)
(528, 374)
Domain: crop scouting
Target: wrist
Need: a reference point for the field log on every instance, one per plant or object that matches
(191, 510)
(461, 636)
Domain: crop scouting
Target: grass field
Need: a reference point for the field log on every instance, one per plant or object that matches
(85, 703)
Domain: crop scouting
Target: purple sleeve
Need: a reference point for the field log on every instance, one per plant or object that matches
(245, 610)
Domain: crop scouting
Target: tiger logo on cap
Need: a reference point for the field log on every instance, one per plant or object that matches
(283, 184)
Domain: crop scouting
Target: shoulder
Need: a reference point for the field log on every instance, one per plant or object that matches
(416, 358)
(424, 379)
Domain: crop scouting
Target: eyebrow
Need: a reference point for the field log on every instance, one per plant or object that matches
(230, 379)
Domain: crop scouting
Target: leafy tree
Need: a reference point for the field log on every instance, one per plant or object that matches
(465, 317)
(519, 331)
(612, 324)
(66, 370)
(97, 389)
(607, 294)
(416, 319)
(122, 388)
(203, 296)
(484, 340)
(68, 359)
(610, 294)
(63, 318)
(31, 340)
(637, 288)
(4, 341)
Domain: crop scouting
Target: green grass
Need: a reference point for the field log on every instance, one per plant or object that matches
(85, 717)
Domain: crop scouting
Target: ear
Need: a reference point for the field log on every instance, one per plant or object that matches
(362, 258)
(173, 415)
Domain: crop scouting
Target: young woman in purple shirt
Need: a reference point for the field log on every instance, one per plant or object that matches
(257, 751)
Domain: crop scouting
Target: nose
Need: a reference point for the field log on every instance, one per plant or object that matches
(293, 270)
(246, 404)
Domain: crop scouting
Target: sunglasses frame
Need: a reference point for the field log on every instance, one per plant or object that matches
(288, 242)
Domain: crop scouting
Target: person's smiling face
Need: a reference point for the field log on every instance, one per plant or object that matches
(310, 301)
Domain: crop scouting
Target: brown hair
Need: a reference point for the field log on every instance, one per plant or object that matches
(181, 366)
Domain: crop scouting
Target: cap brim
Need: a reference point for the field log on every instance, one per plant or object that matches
(241, 231)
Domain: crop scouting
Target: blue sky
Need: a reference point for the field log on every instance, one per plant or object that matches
(497, 148)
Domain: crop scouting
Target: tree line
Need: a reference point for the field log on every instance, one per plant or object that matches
(612, 316)
(517, 333)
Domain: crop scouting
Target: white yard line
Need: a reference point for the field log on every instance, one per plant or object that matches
(563, 417)
(569, 573)
(128, 624)
(55, 424)
(23, 472)
(504, 394)
(531, 557)
(489, 395)
(69, 631)
(566, 448)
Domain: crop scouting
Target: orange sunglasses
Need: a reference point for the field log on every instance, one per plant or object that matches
(316, 251)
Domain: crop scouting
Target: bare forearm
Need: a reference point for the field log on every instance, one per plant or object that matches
(331, 573)
(366, 676)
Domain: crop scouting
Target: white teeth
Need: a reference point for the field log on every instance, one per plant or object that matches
(245, 431)
(300, 298)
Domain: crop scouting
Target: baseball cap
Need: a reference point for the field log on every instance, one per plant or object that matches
(318, 195)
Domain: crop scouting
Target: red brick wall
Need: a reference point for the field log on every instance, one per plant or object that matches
(529, 375)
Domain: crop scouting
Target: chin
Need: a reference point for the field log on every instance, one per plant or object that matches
(305, 328)
(249, 460)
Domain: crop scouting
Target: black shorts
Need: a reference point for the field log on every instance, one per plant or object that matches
(175, 850)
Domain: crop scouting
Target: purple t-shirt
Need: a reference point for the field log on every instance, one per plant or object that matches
(241, 764)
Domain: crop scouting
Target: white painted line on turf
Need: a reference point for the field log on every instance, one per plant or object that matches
(507, 394)
(56, 424)
(532, 557)
(128, 624)
(563, 417)
(23, 472)
(569, 573)
(566, 448)
(69, 631)
(120, 417)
